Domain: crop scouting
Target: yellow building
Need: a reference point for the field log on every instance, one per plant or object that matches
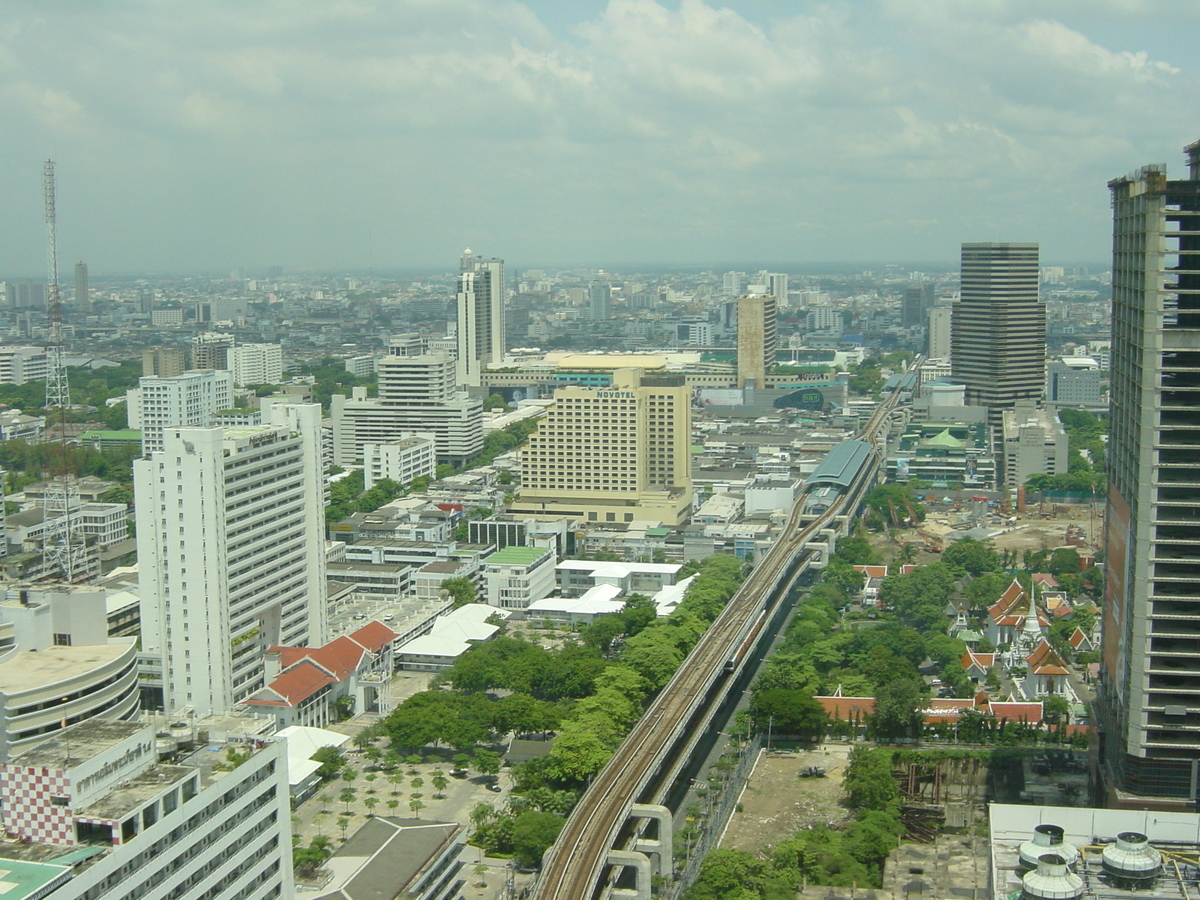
(613, 454)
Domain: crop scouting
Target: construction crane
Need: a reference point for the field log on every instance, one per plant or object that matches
(63, 547)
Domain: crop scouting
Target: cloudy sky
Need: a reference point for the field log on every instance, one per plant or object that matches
(338, 134)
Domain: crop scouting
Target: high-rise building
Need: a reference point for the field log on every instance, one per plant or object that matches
(480, 327)
(777, 287)
(756, 339)
(600, 301)
(937, 341)
(613, 454)
(166, 362)
(915, 305)
(189, 400)
(416, 394)
(1150, 660)
(83, 296)
(255, 364)
(998, 328)
(731, 284)
(230, 530)
(197, 828)
(211, 350)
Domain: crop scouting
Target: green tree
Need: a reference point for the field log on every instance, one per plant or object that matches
(899, 710)
(972, 556)
(533, 833)
(791, 712)
(869, 783)
(331, 761)
(416, 806)
(461, 591)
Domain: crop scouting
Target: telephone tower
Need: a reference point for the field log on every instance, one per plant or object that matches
(63, 547)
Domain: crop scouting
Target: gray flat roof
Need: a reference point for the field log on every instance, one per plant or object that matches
(393, 851)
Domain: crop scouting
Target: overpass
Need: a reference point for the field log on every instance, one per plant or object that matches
(606, 832)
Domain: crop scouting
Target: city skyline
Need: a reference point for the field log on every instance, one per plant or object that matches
(374, 137)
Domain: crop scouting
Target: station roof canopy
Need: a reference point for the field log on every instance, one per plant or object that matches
(840, 464)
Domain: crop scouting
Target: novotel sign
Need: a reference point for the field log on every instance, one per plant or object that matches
(615, 395)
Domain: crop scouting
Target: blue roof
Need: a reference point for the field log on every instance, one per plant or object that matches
(841, 464)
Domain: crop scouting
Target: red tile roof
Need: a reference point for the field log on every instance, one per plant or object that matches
(295, 685)
(1045, 578)
(983, 661)
(1077, 637)
(1045, 661)
(847, 708)
(1011, 711)
(873, 571)
(374, 636)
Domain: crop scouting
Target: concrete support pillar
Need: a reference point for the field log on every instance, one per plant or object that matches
(640, 863)
(661, 845)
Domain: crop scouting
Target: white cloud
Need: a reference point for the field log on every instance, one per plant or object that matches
(223, 133)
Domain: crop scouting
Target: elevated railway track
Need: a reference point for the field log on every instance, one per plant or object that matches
(582, 862)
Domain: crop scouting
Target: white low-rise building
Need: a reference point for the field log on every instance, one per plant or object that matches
(452, 635)
(573, 612)
(409, 457)
(577, 576)
(517, 576)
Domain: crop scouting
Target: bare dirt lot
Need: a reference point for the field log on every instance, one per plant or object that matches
(778, 802)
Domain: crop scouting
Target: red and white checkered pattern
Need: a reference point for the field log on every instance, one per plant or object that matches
(28, 812)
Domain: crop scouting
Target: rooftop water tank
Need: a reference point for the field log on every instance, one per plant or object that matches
(1131, 862)
(1051, 880)
(1047, 839)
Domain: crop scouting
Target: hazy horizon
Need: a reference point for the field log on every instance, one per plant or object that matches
(390, 135)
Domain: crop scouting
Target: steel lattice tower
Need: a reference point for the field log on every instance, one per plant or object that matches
(63, 546)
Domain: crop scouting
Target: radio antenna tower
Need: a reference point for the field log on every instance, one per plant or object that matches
(63, 547)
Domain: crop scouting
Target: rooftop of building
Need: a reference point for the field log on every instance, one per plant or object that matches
(75, 744)
(139, 790)
(517, 556)
(384, 856)
(29, 670)
(21, 878)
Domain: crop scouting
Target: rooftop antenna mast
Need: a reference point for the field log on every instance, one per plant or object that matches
(63, 547)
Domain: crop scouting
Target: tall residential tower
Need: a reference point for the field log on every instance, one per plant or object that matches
(480, 325)
(1150, 666)
(230, 529)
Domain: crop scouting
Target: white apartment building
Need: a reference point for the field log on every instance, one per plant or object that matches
(187, 400)
(21, 364)
(231, 551)
(612, 454)
(480, 323)
(416, 394)
(1034, 442)
(1074, 381)
(255, 364)
(937, 343)
(413, 456)
(517, 576)
(192, 830)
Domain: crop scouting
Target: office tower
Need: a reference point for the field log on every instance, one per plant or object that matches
(1150, 661)
(198, 828)
(937, 342)
(480, 327)
(166, 362)
(777, 287)
(756, 340)
(82, 295)
(998, 329)
(915, 304)
(416, 394)
(731, 284)
(600, 301)
(189, 399)
(231, 551)
(211, 350)
(255, 364)
(614, 454)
